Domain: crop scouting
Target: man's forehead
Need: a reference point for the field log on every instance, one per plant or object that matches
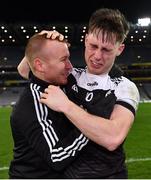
(102, 38)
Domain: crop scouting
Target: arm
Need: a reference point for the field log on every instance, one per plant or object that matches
(109, 133)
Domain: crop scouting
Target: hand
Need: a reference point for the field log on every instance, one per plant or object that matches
(54, 98)
(52, 34)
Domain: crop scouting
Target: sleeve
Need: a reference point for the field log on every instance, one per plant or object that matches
(42, 136)
(127, 95)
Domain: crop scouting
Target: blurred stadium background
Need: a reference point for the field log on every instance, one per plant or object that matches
(135, 60)
(15, 29)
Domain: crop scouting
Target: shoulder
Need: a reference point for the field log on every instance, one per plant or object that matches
(76, 74)
(78, 71)
(125, 83)
(116, 71)
(127, 91)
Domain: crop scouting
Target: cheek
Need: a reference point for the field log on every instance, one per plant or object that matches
(51, 70)
(108, 61)
(59, 68)
(109, 57)
(88, 54)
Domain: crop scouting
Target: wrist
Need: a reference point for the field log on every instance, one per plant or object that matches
(67, 107)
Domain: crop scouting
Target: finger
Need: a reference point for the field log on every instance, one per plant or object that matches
(46, 90)
(50, 86)
(55, 34)
(61, 37)
(43, 96)
(42, 100)
(49, 34)
(43, 32)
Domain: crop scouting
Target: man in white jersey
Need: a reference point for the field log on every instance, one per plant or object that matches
(104, 42)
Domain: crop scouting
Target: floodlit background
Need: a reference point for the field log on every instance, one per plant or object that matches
(20, 20)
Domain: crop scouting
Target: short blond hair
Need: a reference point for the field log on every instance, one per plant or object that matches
(35, 46)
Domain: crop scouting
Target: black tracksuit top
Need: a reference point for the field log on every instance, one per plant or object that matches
(45, 142)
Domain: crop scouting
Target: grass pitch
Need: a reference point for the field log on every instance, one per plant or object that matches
(137, 145)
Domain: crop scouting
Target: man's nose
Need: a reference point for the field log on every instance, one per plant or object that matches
(69, 65)
(98, 54)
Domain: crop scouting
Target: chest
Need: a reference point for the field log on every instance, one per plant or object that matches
(98, 101)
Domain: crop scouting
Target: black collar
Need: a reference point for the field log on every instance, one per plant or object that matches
(43, 84)
(39, 82)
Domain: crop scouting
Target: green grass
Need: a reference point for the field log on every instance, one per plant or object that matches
(137, 145)
(6, 143)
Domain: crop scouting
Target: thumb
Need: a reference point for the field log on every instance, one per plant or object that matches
(42, 100)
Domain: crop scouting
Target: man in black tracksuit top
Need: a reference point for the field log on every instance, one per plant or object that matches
(44, 141)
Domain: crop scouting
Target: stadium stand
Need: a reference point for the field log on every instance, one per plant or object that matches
(135, 60)
(9, 96)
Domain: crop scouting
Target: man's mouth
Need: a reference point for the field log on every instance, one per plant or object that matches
(96, 64)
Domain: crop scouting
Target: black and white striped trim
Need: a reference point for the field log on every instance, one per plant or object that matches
(57, 154)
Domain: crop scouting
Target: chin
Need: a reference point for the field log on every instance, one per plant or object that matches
(94, 72)
(64, 82)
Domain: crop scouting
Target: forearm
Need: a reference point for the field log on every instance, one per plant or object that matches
(98, 129)
(109, 133)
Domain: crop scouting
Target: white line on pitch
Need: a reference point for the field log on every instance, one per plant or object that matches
(4, 168)
(137, 160)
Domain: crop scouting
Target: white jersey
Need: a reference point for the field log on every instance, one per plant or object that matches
(98, 95)
(124, 90)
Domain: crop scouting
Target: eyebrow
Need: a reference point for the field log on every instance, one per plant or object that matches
(64, 57)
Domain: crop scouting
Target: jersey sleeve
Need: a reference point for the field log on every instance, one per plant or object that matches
(127, 95)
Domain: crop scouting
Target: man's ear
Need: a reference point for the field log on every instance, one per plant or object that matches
(38, 65)
(120, 49)
(85, 40)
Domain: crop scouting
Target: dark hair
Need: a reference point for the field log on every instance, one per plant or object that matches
(110, 22)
